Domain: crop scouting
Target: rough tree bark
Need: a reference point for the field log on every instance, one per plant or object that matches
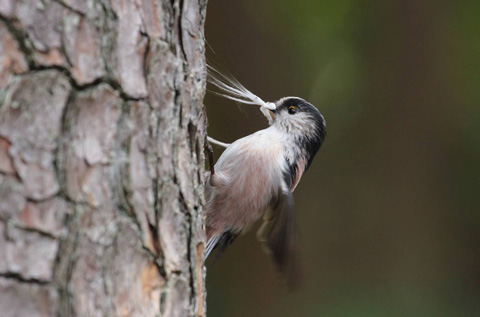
(101, 157)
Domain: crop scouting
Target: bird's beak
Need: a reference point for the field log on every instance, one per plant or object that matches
(272, 113)
(269, 113)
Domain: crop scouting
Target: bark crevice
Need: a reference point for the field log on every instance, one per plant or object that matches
(19, 278)
(22, 39)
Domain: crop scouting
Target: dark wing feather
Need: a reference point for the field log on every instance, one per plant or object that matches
(296, 172)
(279, 236)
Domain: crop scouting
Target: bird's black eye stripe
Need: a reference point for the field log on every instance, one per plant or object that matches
(292, 110)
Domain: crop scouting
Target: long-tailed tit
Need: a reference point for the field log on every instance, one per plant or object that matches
(256, 175)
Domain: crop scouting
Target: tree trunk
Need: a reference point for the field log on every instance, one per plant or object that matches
(101, 157)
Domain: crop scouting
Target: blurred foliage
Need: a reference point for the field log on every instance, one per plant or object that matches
(389, 212)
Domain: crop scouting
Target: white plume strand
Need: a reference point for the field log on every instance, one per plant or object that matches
(235, 99)
(213, 141)
(235, 91)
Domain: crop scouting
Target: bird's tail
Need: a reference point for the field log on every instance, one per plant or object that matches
(211, 244)
(220, 242)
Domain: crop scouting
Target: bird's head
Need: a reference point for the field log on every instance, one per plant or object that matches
(298, 118)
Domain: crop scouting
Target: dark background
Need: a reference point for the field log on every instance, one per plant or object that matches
(389, 211)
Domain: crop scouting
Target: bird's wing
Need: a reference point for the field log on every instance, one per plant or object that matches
(279, 236)
(296, 172)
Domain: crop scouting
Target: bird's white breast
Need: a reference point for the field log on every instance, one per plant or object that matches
(253, 167)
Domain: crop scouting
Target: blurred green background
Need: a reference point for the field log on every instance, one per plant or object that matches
(389, 212)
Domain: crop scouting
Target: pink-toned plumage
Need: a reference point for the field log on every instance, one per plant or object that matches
(251, 171)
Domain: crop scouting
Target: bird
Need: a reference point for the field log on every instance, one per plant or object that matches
(255, 177)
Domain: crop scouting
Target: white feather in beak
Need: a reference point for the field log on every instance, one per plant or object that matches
(235, 91)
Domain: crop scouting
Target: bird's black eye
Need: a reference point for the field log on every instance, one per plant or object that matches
(292, 110)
